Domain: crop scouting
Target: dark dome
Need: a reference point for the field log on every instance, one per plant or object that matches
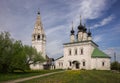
(89, 33)
(85, 29)
(80, 27)
(72, 32)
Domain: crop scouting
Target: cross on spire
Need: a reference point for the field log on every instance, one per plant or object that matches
(72, 25)
(72, 31)
(38, 11)
(80, 20)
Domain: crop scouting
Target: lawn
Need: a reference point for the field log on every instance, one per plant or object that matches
(79, 76)
(17, 75)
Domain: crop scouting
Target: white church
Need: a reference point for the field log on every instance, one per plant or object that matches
(80, 53)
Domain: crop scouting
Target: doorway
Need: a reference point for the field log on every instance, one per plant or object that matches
(76, 65)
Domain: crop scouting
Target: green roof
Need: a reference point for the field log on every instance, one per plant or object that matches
(99, 54)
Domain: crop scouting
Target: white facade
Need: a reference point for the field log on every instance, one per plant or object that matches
(81, 53)
(39, 41)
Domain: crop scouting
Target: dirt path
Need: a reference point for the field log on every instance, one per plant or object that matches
(32, 77)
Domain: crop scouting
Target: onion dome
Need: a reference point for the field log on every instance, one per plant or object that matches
(80, 27)
(72, 31)
(38, 11)
(89, 33)
(85, 29)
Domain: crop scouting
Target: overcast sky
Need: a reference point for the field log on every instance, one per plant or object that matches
(102, 16)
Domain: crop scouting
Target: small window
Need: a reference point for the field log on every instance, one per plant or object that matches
(38, 37)
(103, 63)
(75, 51)
(70, 63)
(69, 51)
(59, 63)
(83, 63)
(81, 51)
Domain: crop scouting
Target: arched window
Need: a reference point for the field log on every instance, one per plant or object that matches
(81, 51)
(75, 51)
(83, 63)
(38, 37)
(70, 63)
(103, 63)
(70, 52)
(60, 64)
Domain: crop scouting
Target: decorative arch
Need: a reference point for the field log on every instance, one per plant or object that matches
(70, 51)
(70, 63)
(81, 51)
(75, 51)
(83, 62)
(38, 37)
(76, 64)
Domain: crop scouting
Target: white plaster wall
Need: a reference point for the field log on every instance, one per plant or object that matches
(80, 36)
(87, 50)
(72, 38)
(96, 63)
(40, 47)
(90, 63)
(58, 62)
(84, 36)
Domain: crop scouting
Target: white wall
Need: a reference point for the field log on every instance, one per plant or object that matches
(59, 64)
(96, 63)
(90, 63)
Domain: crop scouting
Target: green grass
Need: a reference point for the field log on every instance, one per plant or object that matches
(79, 76)
(17, 75)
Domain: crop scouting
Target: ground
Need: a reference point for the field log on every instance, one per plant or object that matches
(19, 74)
(79, 76)
(62, 76)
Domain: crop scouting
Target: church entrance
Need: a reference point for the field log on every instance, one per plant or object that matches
(76, 65)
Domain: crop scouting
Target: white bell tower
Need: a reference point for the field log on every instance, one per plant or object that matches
(39, 37)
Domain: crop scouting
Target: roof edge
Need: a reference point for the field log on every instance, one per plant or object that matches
(59, 58)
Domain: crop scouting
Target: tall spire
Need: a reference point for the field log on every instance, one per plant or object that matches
(38, 24)
(85, 29)
(89, 33)
(38, 20)
(72, 25)
(72, 31)
(80, 27)
(80, 20)
(72, 36)
(38, 11)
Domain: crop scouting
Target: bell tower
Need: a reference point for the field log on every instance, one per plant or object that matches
(39, 37)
